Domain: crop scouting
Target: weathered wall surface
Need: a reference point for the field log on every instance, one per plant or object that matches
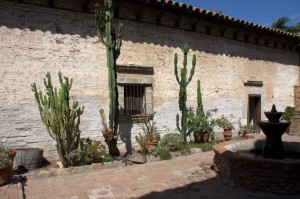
(34, 40)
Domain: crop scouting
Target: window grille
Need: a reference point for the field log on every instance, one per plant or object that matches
(134, 99)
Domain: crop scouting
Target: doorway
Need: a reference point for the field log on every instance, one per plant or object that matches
(254, 111)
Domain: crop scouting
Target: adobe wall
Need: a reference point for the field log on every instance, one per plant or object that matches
(34, 40)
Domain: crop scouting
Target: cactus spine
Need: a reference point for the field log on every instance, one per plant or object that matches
(112, 42)
(183, 83)
(61, 120)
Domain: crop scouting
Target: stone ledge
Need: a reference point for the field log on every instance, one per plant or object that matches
(94, 167)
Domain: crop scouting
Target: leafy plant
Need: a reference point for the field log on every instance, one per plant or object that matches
(201, 125)
(224, 123)
(5, 160)
(172, 142)
(142, 140)
(248, 128)
(90, 151)
(288, 113)
(162, 152)
(60, 118)
(109, 158)
(147, 124)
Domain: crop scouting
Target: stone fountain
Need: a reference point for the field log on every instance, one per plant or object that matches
(271, 172)
(273, 129)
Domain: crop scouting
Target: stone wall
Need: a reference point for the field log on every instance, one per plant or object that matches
(271, 175)
(34, 40)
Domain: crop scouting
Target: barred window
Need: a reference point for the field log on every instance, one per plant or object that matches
(135, 99)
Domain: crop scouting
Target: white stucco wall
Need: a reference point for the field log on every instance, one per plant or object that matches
(34, 40)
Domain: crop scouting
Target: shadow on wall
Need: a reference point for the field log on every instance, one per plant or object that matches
(125, 135)
(14, 15)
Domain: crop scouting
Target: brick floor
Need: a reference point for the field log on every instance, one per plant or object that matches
(182, 177)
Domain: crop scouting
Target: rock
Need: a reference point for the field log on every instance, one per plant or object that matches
(97, 166)
(137, 158)
(152, 158)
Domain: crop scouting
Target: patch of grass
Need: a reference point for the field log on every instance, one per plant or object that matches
(204, 146)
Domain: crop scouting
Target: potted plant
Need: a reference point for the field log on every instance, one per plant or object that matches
(149, 140)
(287, 114)
(224, 123)
(6, 163)
(201, 125)
(247, 131)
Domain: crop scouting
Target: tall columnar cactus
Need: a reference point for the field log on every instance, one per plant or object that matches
(200, 111)
(183, 83)
(61, 120)
(112, 42)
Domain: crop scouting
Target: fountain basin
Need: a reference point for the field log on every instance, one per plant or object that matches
(257, 173)
(273, 128)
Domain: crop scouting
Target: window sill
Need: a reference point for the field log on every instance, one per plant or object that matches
(133, 118)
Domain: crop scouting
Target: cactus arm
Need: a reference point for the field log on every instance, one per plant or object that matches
(193, 69)
(176, 68)
(200, 110)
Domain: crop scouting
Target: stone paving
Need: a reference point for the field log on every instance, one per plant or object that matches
(182, 177)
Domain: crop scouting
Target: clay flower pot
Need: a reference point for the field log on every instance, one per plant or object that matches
(201, 137)
(227, 134)
(151, 145)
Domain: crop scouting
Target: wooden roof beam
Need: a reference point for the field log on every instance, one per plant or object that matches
(276, 43)
(159, 17)
(209, 27)
(117, 6)
(51, 3)
(194, 25)
(235, 33)
(85, 5)
(223, 31)
(256, 39)
(247, 36)
(140, 12)
(177, 22)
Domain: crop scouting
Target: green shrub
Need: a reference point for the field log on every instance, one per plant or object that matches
(109, 158)
(90, 151)
(173, 142)
(162, 152)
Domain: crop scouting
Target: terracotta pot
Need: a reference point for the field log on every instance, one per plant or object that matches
(151, 145)
(4, 174)
(201, 138)
(249, 135)
(227, 134)
(12, 155)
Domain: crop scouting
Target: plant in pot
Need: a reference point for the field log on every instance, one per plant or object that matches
(149, 140)
(247, 131)
(6, 163)
(223, 122)
(287, 114)
(202, 126)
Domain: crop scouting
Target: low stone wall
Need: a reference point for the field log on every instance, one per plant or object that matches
(255, 173)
